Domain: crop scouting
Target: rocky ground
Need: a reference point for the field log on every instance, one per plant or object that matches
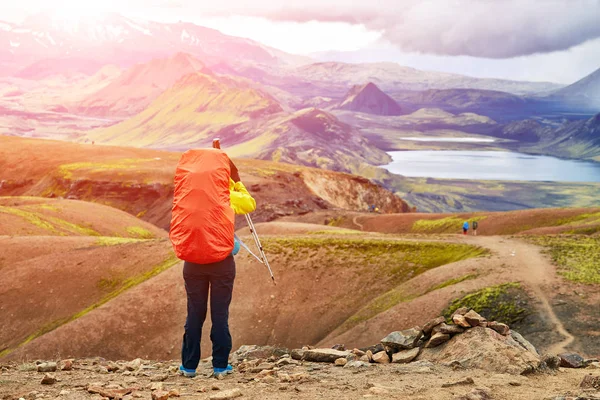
(469, 359)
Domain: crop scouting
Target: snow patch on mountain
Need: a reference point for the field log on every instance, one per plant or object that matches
(14, 44)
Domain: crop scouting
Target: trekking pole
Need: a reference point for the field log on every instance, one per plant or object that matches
(259, 246)
(248, 249)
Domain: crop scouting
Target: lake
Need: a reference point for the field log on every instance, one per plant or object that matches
(491, 165)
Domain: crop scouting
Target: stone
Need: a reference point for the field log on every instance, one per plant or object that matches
(461, 321)
(48, 379)
(46, 367)
(381, 358)
(134, 365)
(594, 365)
(378, 390)
(369, 355)
(499, 327)
(324, 355)
(427, 328)
(226, 394)
(571, 360)
(551, 361)
(109, 393)
(160, 395)
(357, 364)
(590, 382)
(406, 356)
(437, 339)
(340, 347)
(448, 329)
(365, 358)
(297, 354)
(476, 394)
(466, 381)
(286, 361)
(474, 319)
(64, 393)
(358, 353)
(159, 378)
(517, 337)
(403, 340)
(340, 362)
(67, 365)
(255, 352)
(483, 348)
(461, 311)
(261, 367)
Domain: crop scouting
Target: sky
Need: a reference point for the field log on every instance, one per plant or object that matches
(540, 40)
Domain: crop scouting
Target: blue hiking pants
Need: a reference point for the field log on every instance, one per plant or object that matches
(200, 280)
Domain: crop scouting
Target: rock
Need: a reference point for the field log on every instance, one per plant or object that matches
(460, 321)
(365, 358)
(432, 324)
(378, 390)
(551, 361)
(358, 353)
(590, 382)
(474, 319)
(369, 355)
(476, 394)
(324, 355)
(261, 367)
(48, 379)
(255, 352)
(286, 361)
(340, 362)
(437, 339)
(403, 340)
(64, 393)
(108, 393)
(571, 360)
(406, 356)
(160, 395)
(499, 327)
(357, 364)
(461, 311)
(447, 329)
(594, 365)
(339, 347)
(159, 378)
(226, 394)
(67, 365)
(381, 358)
(134, 365)
(46, 367)
(297, 354)
(485, 349)
(466, 381)
(517, 337)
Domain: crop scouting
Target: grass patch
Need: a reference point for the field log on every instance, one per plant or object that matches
(452, 282)
(125, 285)
(443, 225)
(496, 303)
(337, 221)
(52, 224)
(114, 241)
(27, 367)
(139, 232)
(66, 171)
(577, 257)
(394, 261)
(30, 217)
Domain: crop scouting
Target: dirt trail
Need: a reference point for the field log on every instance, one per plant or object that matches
(355, 222)
(528, 265)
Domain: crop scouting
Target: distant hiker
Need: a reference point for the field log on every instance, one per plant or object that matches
(205, 202)
(475, 225)
(465, 227)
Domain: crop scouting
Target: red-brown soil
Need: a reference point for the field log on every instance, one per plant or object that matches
(30, 216)
(47, 280)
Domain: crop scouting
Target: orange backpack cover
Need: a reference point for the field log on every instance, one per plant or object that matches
(202, 222)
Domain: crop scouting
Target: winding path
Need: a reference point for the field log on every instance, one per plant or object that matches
(529, 266)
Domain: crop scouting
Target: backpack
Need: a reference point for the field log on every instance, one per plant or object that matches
(475, 224)
(202, 221)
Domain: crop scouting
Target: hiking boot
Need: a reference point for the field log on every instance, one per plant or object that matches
(190, 373)
(222, 372)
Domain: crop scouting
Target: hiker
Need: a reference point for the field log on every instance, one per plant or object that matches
(465, 227)
(475, 225)
(209, 263)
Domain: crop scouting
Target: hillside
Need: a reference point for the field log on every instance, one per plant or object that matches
(190, 113)
(140, 181)
(371, 100)
(310, 137)
(137, 87)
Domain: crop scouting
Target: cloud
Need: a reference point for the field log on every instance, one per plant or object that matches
(479, 28)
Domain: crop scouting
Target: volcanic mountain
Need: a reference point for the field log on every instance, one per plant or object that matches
(370, 99)
(585, 91)
(137, 87)
(189, 113)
